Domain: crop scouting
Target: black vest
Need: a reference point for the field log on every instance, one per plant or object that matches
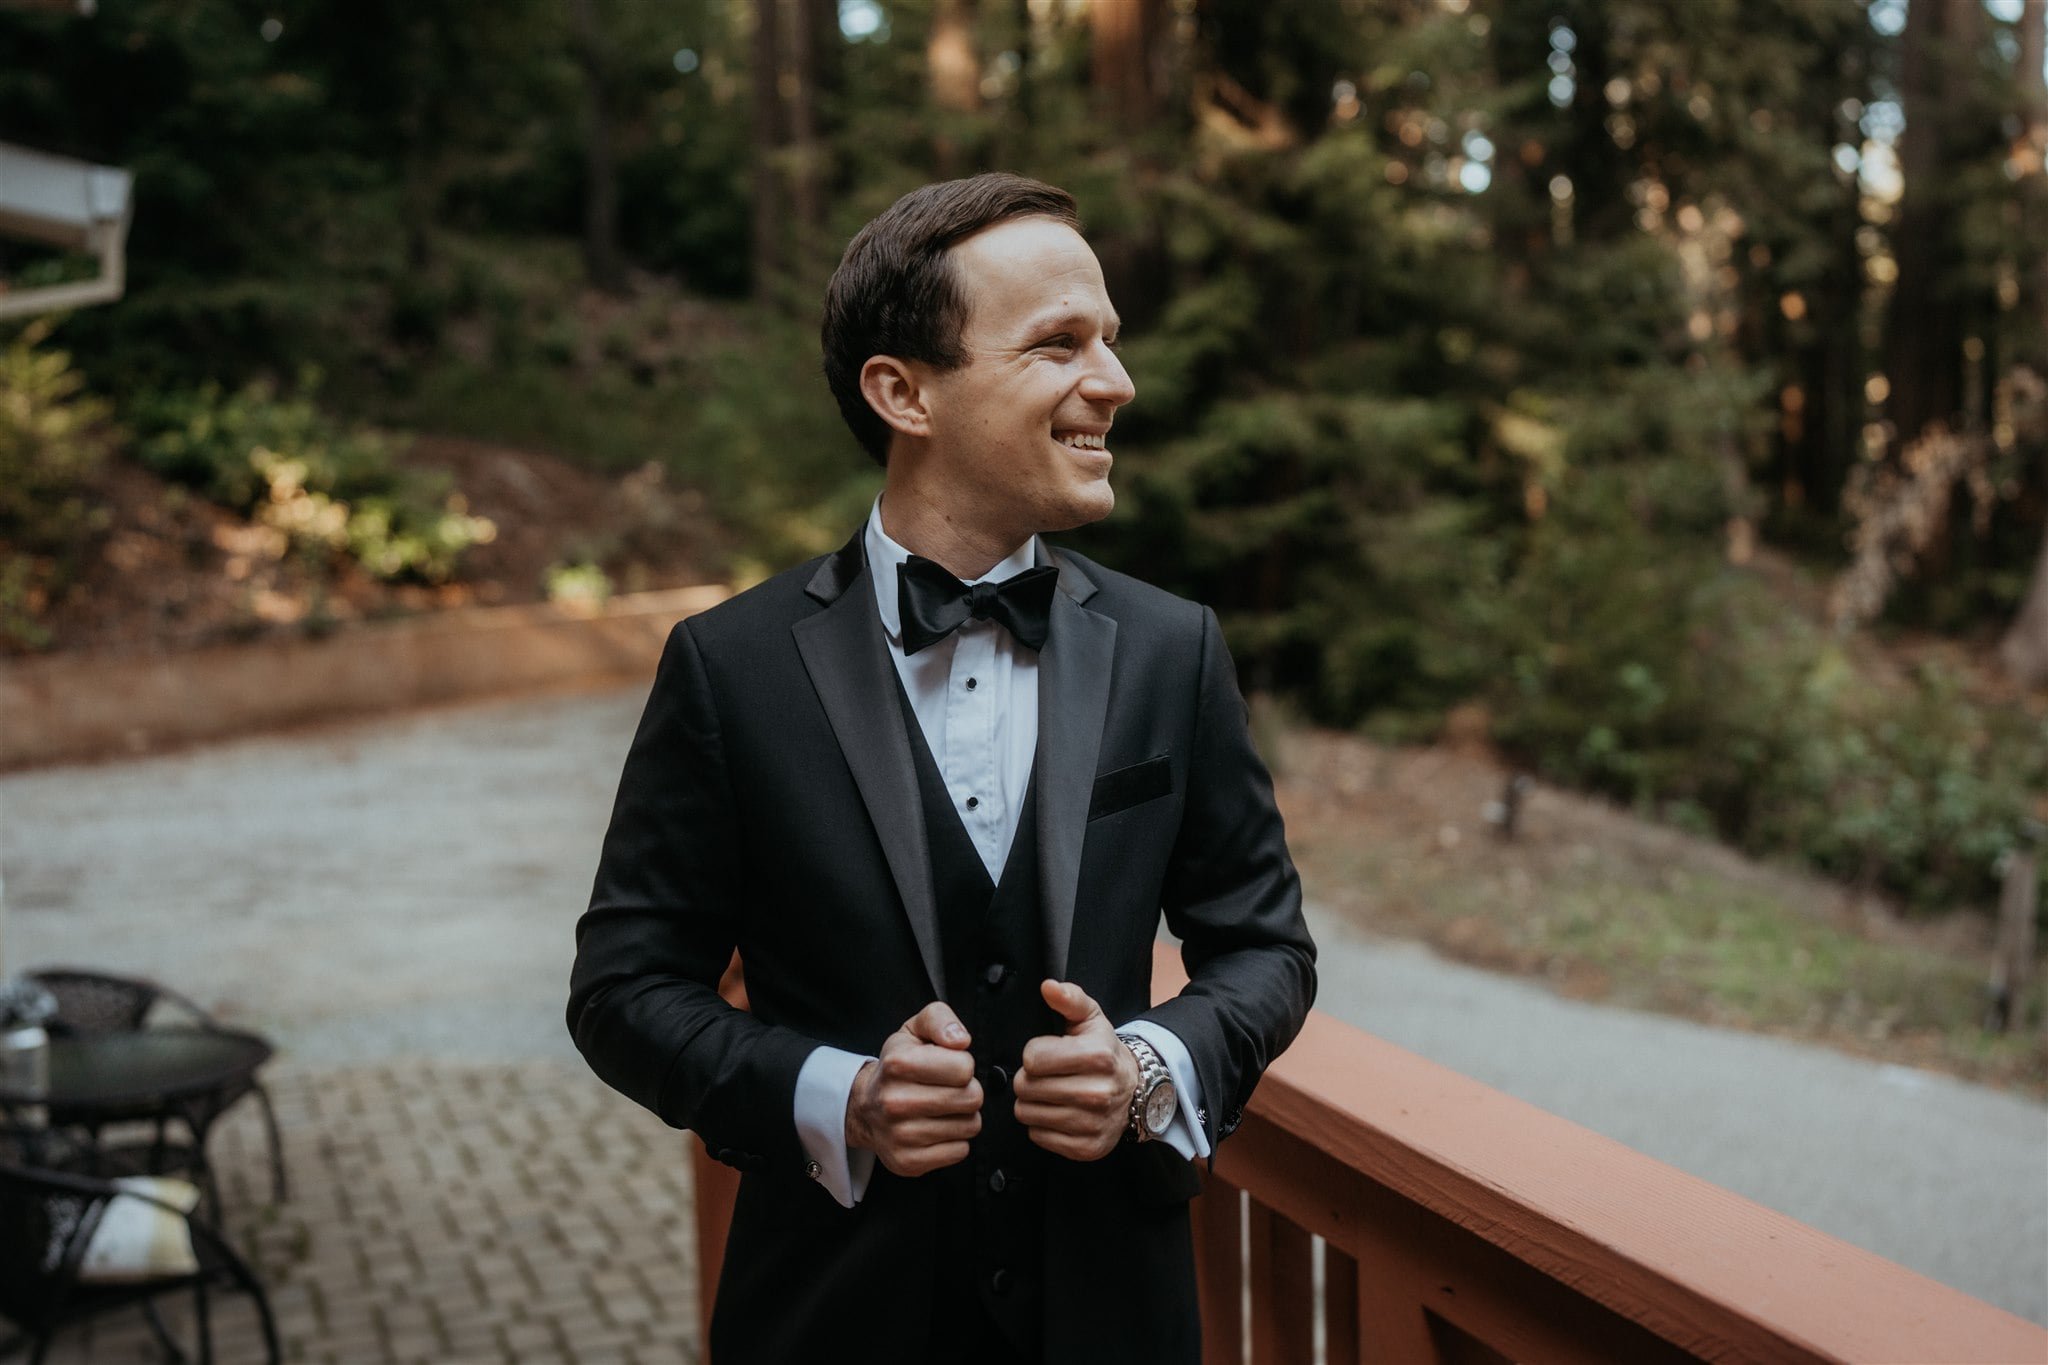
(992, 1205)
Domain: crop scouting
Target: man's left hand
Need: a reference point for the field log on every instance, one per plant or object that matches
(1074, 1091)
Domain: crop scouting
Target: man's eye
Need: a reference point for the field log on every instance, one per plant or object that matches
(1063, 342)
(1114, 343)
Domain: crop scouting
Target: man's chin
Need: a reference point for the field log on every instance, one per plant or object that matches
(1085, 509)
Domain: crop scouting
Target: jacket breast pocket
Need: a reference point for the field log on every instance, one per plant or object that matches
(1127, 787)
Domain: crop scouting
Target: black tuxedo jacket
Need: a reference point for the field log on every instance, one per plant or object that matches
(769, 803)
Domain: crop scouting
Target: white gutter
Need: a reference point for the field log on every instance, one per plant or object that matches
(67, 203)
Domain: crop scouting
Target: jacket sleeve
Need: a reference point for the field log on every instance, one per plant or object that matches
(1233, 898)
(644, 1007)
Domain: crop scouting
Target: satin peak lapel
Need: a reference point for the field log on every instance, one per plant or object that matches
(1073, 701)
(846, 654)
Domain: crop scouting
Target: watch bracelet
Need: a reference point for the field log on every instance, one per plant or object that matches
(1151, 1071)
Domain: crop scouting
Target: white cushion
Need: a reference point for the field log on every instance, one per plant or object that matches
(137, 1240)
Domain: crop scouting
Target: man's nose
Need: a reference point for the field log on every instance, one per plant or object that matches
(1108, 381)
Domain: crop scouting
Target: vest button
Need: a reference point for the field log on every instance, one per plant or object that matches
(999, 1282)
(997, 1180)
(996, 1078)
(995, 974)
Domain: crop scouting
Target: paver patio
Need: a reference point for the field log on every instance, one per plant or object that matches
(444, 1213)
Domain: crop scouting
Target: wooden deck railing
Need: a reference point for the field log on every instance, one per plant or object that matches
(1462, 1226)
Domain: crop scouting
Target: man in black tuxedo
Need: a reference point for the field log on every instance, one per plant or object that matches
(937, 788)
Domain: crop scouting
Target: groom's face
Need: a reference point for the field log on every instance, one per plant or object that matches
(1022, 427)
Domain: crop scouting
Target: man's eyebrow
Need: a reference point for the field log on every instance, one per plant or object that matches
(1066, 318)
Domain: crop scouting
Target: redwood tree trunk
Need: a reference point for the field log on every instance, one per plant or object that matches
(2033, 186)
(769, 137)
(1925, 329)
(953, 74)
(806, 158)
(825, 87)
(950, 61)
(601, 258)
(2024, 651)
(1126, 58)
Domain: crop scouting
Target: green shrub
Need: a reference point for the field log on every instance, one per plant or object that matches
(1644, 666)
(54, 436)
(1601, 626)
(327, 490)
(582, 585)
(1917, 788)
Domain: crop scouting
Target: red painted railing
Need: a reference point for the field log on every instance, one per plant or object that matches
(1458, 1224)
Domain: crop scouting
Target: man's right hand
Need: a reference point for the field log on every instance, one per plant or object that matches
(918, 1105)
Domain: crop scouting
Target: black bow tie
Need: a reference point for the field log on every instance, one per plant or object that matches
(934, 604)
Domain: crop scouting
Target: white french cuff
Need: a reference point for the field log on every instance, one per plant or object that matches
(1184, 1135)
(822, 1088)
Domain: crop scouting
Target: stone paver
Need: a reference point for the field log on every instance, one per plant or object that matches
(447, 1212)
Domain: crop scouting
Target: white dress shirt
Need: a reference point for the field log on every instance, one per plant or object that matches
(975, 694)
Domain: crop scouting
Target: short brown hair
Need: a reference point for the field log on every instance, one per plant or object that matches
(896, 291)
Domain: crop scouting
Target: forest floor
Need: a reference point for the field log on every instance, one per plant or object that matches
(1601, 903)
(177, 572)
(1611, 907)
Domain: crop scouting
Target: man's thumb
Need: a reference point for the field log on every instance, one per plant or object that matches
(936, 1023)
(1072, 1003)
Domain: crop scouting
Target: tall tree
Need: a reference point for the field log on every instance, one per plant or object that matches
(770, 135)
(950, 58)
(601, 257)
(806, 158)
(953, 74)
(1948, 124)
(2024, 651)
(2031, 152)
(792, 61)
(1128, 60)
(826, 82)
(1586, 150)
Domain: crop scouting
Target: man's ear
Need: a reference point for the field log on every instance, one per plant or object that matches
(895, 390)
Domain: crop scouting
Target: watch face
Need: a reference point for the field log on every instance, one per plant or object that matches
(1159, 1107)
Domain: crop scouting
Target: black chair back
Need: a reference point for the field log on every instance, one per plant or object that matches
(94, 1004)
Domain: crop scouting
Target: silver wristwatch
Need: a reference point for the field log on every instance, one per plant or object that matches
(1154, 1101)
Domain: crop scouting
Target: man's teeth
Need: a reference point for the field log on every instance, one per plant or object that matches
(1083, 441)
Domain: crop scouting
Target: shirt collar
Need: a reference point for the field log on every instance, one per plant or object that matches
(885, 556)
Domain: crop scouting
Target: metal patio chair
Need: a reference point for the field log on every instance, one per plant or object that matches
(47, 1220)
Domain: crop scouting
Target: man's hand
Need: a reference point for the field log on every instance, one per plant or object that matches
(918, 1105)
(1074, 1092)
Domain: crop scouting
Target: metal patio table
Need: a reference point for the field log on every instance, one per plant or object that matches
(149, 1075)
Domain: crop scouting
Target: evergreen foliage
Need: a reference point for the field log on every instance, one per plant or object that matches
(54, 436)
